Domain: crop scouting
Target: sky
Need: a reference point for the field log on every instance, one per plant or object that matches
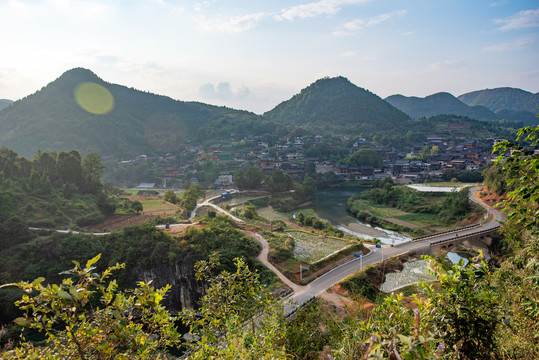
(252, 54)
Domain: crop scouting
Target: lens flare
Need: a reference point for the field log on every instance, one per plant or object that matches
(94, 98)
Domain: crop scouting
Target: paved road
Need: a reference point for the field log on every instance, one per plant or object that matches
(303, 293)
(336, 275)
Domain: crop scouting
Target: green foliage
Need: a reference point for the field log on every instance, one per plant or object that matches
(137, 206)
(455, 206)
(310, 330)
(141, 123)
(237, 318)
(495, 179)
(336, 105)
(87, 317)
(170, 196)
(248, 179)
(467, 176)
(523, 164)
(188, 199)
(466, 310)
(365, 156)
(279, 182)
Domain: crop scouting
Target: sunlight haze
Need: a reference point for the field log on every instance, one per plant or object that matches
(253, 55)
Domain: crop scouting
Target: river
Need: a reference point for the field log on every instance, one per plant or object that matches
(330, 204)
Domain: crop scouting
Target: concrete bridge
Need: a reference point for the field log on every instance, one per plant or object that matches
(481, 237)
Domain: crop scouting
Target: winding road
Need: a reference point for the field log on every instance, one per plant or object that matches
(302, 294)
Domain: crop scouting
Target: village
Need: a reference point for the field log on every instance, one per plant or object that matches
(432, 160)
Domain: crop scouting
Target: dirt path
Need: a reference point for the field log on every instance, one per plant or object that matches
(263, 257)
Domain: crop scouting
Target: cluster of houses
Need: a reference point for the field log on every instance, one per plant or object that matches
(289, 158)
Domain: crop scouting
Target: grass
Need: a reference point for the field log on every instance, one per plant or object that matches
(156, 205)
(271, 214)
(311, 248)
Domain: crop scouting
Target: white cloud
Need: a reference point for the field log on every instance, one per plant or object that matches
(235, 24)
(409, 33)
(354, 26)
(313, 9)
(223, 91)
(514, 45)
(522, 19)
(446, 65)
(348, 53)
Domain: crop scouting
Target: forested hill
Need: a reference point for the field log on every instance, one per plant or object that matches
(337, 105)
(436, 104)
(4, 103)
(123, 123)
(504, 98)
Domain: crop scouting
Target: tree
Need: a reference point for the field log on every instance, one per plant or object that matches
(523, 164)
(137, 206)
(237, 319)
(466, 310)
(92, 169)
(87, 317)
(279, 182)
(249, 179)
(365, 156)
(69, 168)
(170, 196)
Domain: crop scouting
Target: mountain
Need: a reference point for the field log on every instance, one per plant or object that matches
(504, 98)
(118, 121)
(337, 105)
(436, 104)
(4, 103)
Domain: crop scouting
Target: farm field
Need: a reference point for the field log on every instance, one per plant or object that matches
(151, 206)
(311, 248)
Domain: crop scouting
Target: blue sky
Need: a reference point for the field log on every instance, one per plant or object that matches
(254, 54)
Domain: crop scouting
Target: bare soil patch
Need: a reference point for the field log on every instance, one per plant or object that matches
(489, 198)
(179, 228)
(339, 297)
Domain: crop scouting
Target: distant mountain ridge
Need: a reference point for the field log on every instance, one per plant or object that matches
(5, 103)
(139, 123)
(145, 123)
(335, 104)
(491, 105)
(504, 98)
(436, 104)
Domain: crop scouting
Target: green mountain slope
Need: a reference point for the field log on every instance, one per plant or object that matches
(139, 122)
(336, 105)
(436, 104)
(504, 98)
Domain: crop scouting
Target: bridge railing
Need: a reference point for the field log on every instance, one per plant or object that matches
(465, 236)
(423, 237)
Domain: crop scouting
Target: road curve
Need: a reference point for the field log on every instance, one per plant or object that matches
(336, 275)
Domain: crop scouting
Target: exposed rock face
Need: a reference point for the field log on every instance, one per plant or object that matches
(185, 289)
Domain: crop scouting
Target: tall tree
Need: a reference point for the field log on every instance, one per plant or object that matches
(92, 169)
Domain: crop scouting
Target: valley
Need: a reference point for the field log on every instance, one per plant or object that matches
(325, 191)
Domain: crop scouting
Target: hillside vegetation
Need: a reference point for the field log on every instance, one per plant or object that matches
(58, 118)
(334, 105)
